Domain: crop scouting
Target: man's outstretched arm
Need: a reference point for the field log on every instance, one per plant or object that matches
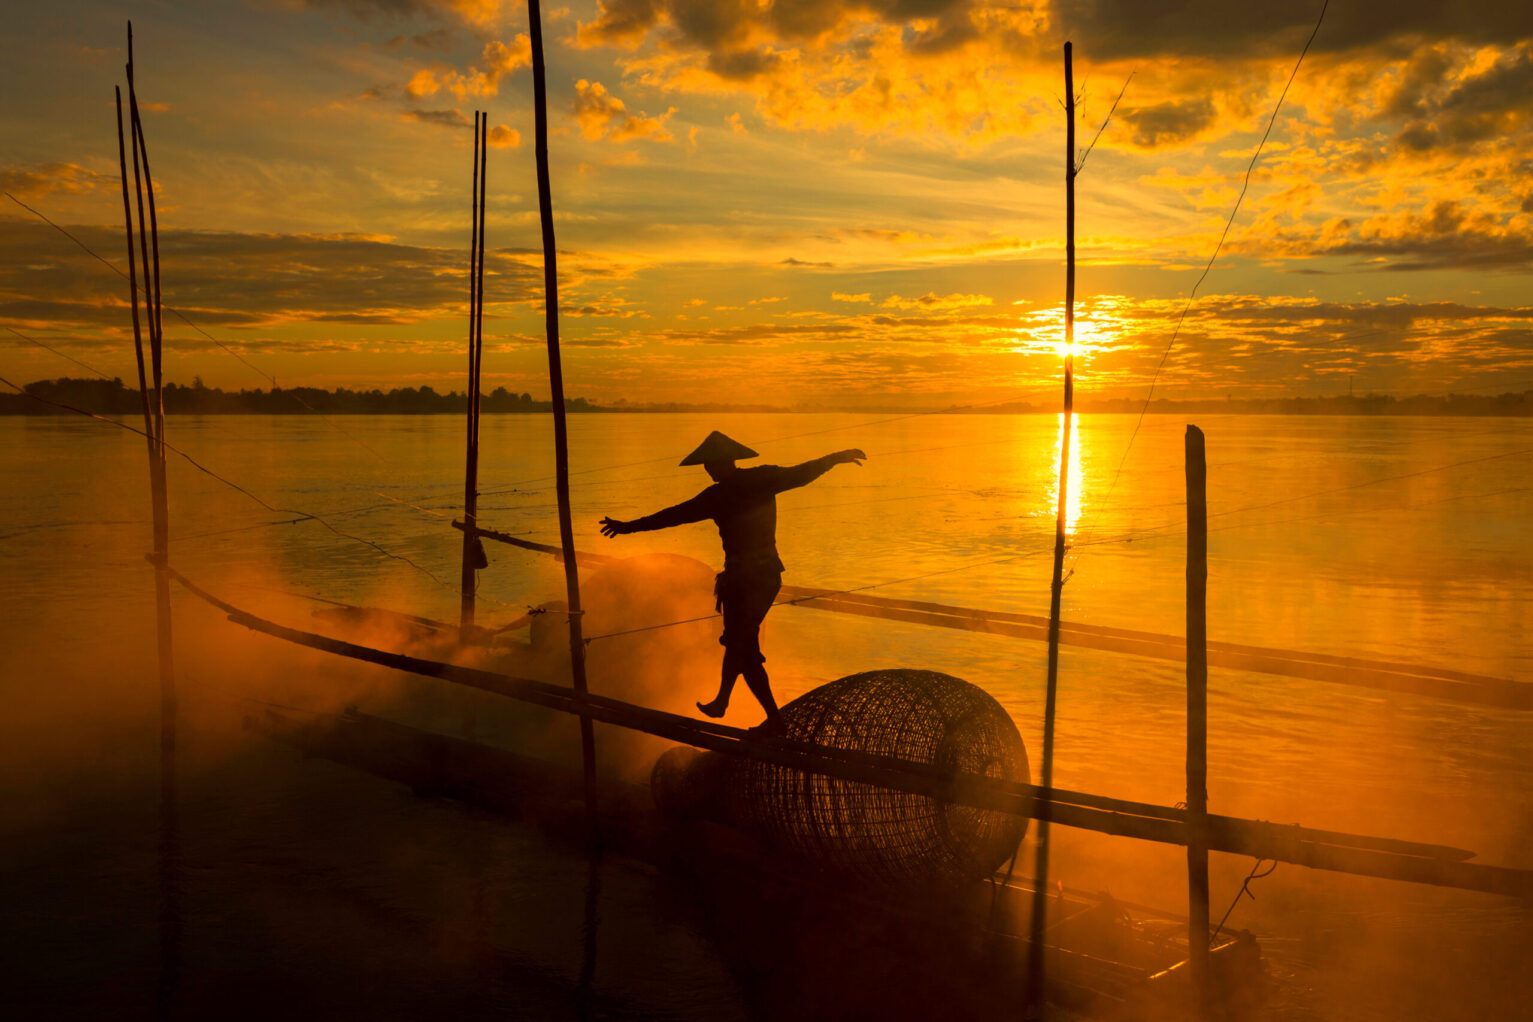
(809, 471)
(694, 510)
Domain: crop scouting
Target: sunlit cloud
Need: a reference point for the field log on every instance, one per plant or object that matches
(45, 179)
(602, 115)
(482, 80)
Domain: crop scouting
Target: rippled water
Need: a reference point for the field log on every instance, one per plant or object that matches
(1391, 538)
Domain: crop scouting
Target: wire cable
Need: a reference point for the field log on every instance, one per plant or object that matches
(1192, 296)
(305, 515)
(1081, 165)
(1245, 891)
(60, 354)
(185, 319)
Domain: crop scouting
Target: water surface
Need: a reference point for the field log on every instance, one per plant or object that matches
(1391, 538)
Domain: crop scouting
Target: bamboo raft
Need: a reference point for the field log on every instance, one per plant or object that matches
(1319, 849)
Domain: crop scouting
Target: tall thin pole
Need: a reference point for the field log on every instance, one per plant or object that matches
(138, 336)
(149, 242)
(1056, 589)
(556, 382)
(1197, 716)
(471, 542)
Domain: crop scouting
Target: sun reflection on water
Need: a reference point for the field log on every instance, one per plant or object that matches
(1073, 497)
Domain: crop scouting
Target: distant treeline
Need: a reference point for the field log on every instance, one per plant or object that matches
(1367, 404)
(110, 397)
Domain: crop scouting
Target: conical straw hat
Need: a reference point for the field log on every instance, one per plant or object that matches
(718, 447)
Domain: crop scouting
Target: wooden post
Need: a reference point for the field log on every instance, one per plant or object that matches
(471, 542)
(1197, 717)
(1056, 588)
(556, 383)
(154, 417)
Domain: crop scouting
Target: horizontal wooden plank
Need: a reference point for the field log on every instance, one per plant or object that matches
(1390, 676)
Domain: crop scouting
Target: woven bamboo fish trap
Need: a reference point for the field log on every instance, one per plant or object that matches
(851, 827)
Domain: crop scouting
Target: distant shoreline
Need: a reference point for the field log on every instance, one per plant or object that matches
(110, 397)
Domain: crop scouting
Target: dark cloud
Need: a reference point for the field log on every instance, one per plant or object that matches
(728, 29)
(240, 279)
(620, 21)
(441, 118)
(591, 309)
(1447, 236)
(804, 19)
(714, 24)
(951, 30)
(790, 261)
(369, 9)
(1104, 29)
(1505, 85)
(742, 64)
(1239, 310)
(758, 333)
(1169, 123)
(1422, 74)
(1490, 104)
(436, 39)
(1108, 29)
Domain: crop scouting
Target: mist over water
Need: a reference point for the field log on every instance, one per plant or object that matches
(1350, 536)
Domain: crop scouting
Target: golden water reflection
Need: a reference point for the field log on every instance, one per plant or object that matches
(1073, 497)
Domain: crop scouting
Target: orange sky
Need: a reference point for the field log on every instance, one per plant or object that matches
(789, 202)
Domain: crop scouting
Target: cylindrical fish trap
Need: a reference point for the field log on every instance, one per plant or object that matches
(855, 828)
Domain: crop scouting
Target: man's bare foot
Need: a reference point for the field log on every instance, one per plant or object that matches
(770, 726)
(714, 709)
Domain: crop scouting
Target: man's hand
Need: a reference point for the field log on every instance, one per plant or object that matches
(853, 456)
(612, 527)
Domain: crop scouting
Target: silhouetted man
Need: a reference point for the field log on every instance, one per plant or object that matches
(743, 502)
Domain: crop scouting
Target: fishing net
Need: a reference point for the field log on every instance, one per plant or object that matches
(860, 829)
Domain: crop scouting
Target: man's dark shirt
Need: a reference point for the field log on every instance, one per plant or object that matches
(744, 504)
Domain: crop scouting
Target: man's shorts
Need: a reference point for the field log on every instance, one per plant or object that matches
(744, 597)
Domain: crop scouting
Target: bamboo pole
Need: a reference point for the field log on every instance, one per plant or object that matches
(153, 301)
(556, 382)
(471, 471)
(1056, 586)
(484, 177)
(1197, 718)
(149, 244)
(138, 337)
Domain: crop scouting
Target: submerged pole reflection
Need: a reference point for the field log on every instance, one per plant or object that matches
(1067, 474)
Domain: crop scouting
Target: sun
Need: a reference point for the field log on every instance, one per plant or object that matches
(1042, 332)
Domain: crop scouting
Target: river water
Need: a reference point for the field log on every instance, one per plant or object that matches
(1402, 539)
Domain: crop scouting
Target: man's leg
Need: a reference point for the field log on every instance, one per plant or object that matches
(727, 675)
(761, 687)
(744, 603)
(756, 601)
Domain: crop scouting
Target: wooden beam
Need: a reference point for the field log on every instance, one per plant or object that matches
(1302, 846)
(1416, 679)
